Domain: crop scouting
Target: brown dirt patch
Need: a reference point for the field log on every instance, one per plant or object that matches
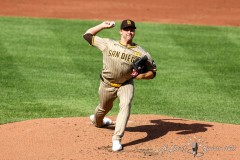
(147, 136)
(210, 12)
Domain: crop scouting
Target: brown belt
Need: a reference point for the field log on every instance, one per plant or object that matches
(117, 85)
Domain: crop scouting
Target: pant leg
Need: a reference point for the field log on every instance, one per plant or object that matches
(107, 95)
(125, 94)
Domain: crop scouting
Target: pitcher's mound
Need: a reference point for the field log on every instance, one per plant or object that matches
(146, 137)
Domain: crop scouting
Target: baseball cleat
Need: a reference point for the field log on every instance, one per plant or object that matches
(106, 121)
(92, 118)
(116, 146)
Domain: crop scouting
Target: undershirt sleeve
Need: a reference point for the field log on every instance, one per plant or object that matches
(100, 43)
(88, 37)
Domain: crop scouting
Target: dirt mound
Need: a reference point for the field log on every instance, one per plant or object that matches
(146, 137)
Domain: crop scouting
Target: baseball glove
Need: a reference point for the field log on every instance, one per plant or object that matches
(139, 66)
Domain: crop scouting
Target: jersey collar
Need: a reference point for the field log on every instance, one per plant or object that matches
(133, 45)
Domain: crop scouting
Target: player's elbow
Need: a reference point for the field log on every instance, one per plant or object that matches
(88, 37)
(149, 75)
(154, 75)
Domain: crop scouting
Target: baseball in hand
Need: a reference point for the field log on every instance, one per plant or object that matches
(112, 23)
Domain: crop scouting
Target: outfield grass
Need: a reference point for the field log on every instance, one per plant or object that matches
(48, 70)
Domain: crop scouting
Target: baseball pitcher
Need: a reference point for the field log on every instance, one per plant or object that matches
(123, 61)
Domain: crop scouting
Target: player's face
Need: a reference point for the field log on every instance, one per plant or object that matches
(127, 34)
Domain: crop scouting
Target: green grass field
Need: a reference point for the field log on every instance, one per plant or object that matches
(48, 70)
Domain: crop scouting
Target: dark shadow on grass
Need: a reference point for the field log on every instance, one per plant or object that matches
(159, 128)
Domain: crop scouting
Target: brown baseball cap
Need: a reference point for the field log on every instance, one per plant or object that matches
(128, 24)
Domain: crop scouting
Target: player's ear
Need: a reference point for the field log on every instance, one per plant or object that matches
(120, 31)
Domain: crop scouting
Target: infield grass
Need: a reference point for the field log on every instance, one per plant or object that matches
(48, 70)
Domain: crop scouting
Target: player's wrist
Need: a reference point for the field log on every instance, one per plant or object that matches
(107, 24)
(139, 76)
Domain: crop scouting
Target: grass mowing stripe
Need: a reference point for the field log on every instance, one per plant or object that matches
(48, 70)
